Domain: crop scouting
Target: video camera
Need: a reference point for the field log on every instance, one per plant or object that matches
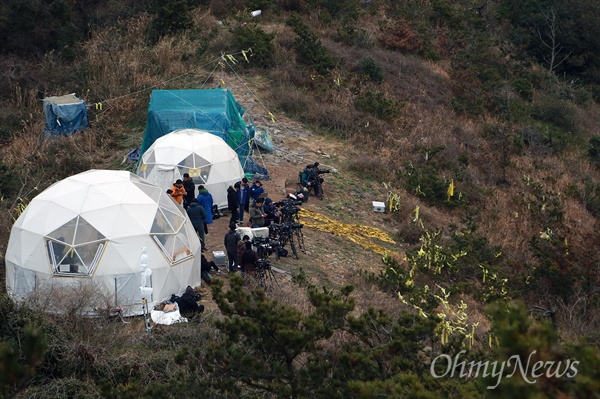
(263, 264)
(290, 202)
(264, 246)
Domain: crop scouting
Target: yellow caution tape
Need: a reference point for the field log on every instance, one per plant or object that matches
(356, 233)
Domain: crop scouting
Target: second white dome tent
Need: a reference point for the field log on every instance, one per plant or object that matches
(207, 158)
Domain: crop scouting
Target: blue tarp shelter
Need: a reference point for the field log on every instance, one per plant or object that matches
(65, 115)
(213, 110)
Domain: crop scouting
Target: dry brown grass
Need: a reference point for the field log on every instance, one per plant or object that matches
(118, 62)
(24, 143)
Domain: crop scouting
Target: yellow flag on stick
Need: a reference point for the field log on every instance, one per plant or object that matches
(451, 189)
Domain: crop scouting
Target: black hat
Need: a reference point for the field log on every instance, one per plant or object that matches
(179, 181)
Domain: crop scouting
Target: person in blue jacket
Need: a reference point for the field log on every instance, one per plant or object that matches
(256, 191)
(243, 198)
(271, 211)
(206, 200)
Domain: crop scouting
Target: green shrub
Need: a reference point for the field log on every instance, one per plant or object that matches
(557, 113)
(171, 16)
(594, 150)
(261, 43)
(590, 197)
(543, 139)
(309, 48)
(371, 69)
(335, 8)
(378, 104)
(9, 182)
(425, 182)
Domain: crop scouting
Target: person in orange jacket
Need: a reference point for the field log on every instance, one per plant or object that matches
(178, 191)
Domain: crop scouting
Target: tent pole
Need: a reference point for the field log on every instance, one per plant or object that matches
(146, 315)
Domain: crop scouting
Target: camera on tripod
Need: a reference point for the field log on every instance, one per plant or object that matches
(289, 203)
(264, 246)
(263, 264)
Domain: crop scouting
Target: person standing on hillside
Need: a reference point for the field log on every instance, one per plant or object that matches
(241, 245)
(197, 216)
(248, 260)
(243, 198)
(230, 241)
(178, 192)
(190, 190)
(257, 214)
(232, 202)
(206, 200)
(256, 191)
(271, 211)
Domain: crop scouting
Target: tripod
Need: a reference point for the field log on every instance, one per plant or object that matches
(317, 185)
(264, 274)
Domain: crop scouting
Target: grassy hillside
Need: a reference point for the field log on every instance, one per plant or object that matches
(496, 100)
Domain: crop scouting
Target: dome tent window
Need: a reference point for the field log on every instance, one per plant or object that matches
(175, 247)
(75, 248)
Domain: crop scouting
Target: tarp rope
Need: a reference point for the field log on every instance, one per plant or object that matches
(358, 234)
(216, 61)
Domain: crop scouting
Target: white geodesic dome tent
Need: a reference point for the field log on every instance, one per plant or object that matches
(207, 158)
(90, 230)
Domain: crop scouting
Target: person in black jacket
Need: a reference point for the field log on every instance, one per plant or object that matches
(205, 268)
(248, 260)
(232, 202)
(190, 190)
(188, 304)
(197, 216)
(230, 241)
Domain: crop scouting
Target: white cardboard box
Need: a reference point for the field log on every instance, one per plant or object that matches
(378, 207)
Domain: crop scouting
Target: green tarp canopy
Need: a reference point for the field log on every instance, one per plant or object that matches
(213, 110)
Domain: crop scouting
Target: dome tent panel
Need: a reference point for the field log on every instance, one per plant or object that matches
(223, 168)
(173, 153)
(121, 220)
(107, 266)
(40, 221)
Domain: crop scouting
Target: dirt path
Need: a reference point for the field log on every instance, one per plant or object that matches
(330, 260)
